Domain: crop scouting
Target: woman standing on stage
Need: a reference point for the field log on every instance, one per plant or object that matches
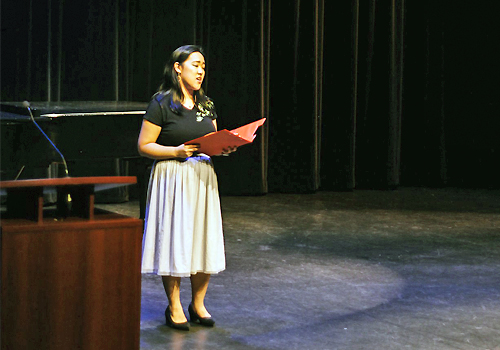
(183, 226)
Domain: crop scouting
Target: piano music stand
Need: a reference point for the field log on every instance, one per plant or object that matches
(71, 276)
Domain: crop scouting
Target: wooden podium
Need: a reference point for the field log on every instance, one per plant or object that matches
(70, 276)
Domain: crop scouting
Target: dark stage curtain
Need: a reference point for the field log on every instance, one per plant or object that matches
(89, 50)
(295, 95)
(451, 109)
(378, 49)
(265, 60)
(234, 35)
(471, 46)
(357, 94)
(342, 131)
(424, 156)
(338, 121)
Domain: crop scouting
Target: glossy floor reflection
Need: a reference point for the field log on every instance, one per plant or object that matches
(405, 269)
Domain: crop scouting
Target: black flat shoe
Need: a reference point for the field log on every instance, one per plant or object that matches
(184, 326)
(204, 321)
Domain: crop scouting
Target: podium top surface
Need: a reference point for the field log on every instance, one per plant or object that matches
(49, 185)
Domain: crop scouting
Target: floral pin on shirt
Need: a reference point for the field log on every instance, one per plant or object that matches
(204, 112)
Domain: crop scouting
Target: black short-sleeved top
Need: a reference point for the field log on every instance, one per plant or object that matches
(177, 129)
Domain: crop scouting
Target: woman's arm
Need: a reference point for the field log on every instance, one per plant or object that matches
(147, 146)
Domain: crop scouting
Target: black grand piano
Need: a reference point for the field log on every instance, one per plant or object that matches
(97, 138)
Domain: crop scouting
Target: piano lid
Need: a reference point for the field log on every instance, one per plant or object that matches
(72, 108)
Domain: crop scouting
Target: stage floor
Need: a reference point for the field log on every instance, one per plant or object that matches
(413, 268)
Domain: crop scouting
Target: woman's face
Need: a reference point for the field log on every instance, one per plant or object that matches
(192, 71)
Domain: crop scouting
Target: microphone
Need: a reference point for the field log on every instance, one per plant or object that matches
(28, 107)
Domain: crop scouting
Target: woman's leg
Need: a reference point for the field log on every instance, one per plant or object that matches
(199, 285)
(172, 287)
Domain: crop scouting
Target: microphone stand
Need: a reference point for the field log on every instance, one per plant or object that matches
(28, 107)
(63, 199)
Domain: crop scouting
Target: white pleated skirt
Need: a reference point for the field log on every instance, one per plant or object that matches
(183, 222)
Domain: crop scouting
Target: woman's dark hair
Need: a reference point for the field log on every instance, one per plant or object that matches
(171, 83)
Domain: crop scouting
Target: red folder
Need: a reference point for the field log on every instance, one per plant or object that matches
(214, 143)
